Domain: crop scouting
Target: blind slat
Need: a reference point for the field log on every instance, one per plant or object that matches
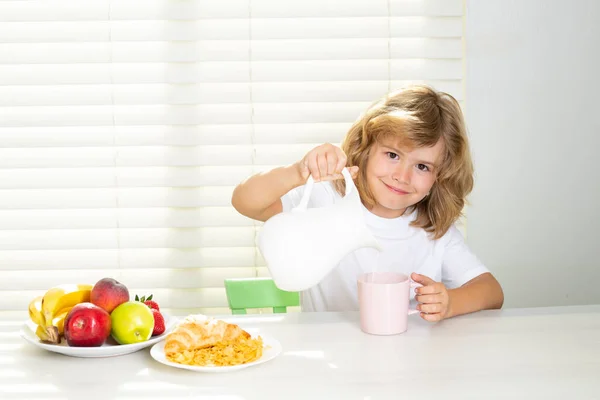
(54, 31)
(65, 95)
(57, 10)
(319, 8)
(186, 10)
(263, 71)
(20, 220)
(355, 8)
(445, 8)
(126, 115)
(181, 298)
(125, 177)
(48, 10)
(142, 135)
(152, 279)
(127, 238)
(344, 49)
(56, 74)
(206, 196)
(106, 35)
(160, 135)
(189, 156)
(145, 259)
(136, 52)
(426, 27)
(362, 70)
(123, 31)
(57, 199)
(207, 93)
(66, 10)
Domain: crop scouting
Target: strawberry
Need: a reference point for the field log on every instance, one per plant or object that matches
(152, 304)
(148, 301)
(159, 323)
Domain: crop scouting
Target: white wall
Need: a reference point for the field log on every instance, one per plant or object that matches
(533, 112)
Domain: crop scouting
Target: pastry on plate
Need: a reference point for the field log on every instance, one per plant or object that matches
(203, 341)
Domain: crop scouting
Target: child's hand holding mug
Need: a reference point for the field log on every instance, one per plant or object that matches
(325, 163)
(433, 298)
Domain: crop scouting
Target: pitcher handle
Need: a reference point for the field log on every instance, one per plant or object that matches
(350, 186)
(308, 186)
(310, 182)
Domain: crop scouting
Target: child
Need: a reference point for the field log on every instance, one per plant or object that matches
(409, 157)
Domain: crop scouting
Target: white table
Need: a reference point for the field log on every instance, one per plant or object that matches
(538, 353)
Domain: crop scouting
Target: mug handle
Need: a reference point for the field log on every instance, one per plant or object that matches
(413, 285)
(310, 182)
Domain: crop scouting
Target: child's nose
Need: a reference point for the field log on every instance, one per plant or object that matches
(402, 173)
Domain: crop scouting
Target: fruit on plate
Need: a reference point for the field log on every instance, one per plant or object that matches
(159, 319)
(58, 321)
(50, 312)
(132, 322)
(159, 322)
(148, 301)
(35, 310)
(108, 293)
(87, 325)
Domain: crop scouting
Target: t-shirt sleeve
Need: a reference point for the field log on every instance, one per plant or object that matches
(322, 194)
(459, 264)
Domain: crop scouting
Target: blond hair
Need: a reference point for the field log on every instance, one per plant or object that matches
(417, 116)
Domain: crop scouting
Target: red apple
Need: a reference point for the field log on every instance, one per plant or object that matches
(108, 293)
(87, 325)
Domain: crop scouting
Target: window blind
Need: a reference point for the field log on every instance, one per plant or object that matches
(126, 124)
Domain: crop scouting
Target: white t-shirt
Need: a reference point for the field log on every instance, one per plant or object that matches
(406, 249)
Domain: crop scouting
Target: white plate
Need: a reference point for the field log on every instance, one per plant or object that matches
(108, 349)
(271, 350)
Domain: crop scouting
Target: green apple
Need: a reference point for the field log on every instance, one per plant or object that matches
(132, 322)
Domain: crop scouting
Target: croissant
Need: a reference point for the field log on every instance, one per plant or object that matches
(199, 332)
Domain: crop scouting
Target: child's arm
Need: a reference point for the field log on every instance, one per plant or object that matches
(437, 302)
(481, 293)
(259, 197)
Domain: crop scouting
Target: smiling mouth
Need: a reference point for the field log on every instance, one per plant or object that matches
(397, 191)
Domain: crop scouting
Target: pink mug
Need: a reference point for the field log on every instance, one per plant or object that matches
(383, 299)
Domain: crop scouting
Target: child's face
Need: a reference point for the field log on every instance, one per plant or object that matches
(400, 177)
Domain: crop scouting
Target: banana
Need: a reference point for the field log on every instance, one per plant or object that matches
(59, 320)
(35, 311)
(61, 297)
(41, 333)
(56, 303)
